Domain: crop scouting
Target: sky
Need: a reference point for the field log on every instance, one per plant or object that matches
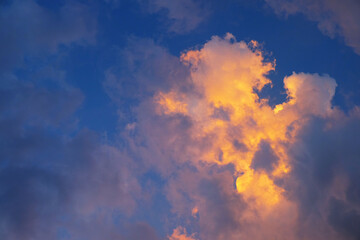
(179, 119)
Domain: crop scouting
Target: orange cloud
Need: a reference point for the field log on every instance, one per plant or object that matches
(225, 108)
(180, 234)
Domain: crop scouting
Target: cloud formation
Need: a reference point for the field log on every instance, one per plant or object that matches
(229, 158)
(183, 15)
(56, 179)
(334, 17)
(197, 153)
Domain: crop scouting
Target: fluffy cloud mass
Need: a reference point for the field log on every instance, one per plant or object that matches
(232, 163)
(196, 153)
(126, 120)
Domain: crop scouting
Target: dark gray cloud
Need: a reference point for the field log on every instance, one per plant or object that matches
(53, 178)
(344, 219)
(265, 158)
(326, 169)
(28, 197)
(57, 181)
(219, 206)
(221, 209)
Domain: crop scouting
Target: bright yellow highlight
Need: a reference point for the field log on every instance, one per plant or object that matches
(265, 191)
(170, 103)
(179, 233)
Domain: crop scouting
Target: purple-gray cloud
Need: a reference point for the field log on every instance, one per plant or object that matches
(334, 17)
(182, 16)
(54, 177)
(326, 169)
(29, 28)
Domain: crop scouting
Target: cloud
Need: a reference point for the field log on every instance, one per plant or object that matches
(344, 220)
(196, 140)
(142, 231)
(58, 180)
(55, 177)
(309, 94)
(264, 158)
(144, 67)
(233, 166)
(180, 234)
(182, 16)
(334, 17)
(29, 28)
(225, 73)
(325, 166)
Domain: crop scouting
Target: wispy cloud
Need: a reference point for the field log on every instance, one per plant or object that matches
(182, 16)
(334, 17)
(29, 28)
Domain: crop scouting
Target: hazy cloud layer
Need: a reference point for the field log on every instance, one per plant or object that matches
(334, 17)
(51, 180)
(29, 28)
(57, 181)
(182, 16)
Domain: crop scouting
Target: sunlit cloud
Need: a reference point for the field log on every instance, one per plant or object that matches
(116, 125)
(236, 126)
(180, 234)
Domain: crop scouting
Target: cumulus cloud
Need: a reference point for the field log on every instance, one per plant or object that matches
(224, 163)
(334, 17)
(233, 166)
(225, 73)
(200, 156)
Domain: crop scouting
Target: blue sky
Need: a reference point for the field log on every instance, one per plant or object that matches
(179, 119)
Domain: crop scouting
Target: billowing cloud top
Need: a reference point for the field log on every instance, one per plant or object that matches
(229, 125)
